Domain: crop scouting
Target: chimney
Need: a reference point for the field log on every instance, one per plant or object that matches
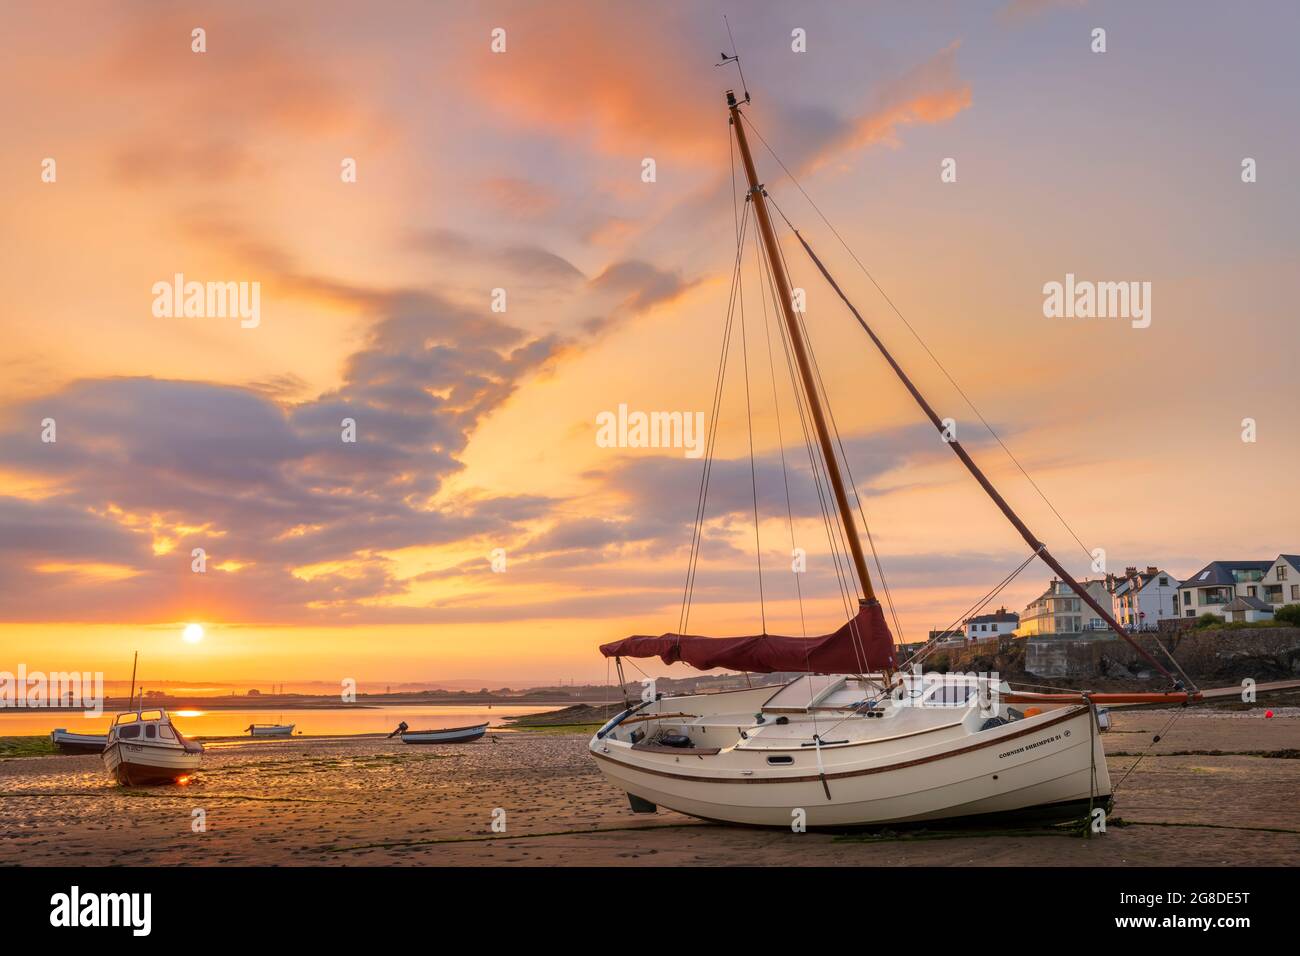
(1152, 570)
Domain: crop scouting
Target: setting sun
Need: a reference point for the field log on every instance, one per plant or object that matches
(192, 634)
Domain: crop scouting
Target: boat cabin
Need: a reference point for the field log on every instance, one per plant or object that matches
(148, 726)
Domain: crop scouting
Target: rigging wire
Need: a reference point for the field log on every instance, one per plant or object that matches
(848, 592)
(821, 483)
(1151, 746)
(785, 477)
(780, 438)
(871, 541)
(915, 334)
(753, 471)
(924, 651)
(814, 460)
(697, 534)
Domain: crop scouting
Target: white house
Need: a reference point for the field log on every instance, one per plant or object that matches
(1058, 610)
(1216, 584)
(1001, 622)
(1281, 582)
(1141, 599)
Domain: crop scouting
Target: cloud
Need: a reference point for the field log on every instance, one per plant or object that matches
(929, 93)
(145, 469)
(592, 71)
(640, 285)
(520, 259)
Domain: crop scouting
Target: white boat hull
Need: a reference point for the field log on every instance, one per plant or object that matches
(69, 743)
(450, 735)
(136, 764)
(1048, 765)
(279, 730)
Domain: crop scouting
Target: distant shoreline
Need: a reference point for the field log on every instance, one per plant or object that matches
(287, 702)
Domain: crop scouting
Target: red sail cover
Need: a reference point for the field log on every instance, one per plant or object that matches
(863, 644)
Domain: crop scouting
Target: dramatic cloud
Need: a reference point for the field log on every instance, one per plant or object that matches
(143, 470)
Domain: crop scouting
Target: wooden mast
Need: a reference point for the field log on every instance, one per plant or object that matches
(758, 198)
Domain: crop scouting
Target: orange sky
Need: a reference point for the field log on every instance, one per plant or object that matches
(522, 170)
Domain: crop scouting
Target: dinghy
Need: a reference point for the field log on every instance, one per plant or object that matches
(144, 748)
(447, 735)
(69, 743)
(855, 741)
(270, 730)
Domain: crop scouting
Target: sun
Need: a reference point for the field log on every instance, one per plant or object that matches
(192, 634)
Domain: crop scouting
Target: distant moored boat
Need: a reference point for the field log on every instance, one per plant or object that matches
(69, 743)
(447, 735)
(270, 730)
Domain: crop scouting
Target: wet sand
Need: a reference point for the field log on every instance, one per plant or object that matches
(367, 801)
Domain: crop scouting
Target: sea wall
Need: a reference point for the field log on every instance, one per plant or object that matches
(1265, 653)
(1270, 652)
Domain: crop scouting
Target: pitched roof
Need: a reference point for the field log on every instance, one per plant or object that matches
(1220, 572)
(1291, 559)
(1247, 604)
(999, 617)
(1123, 582)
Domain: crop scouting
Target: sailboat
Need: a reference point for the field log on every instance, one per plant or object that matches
(855, 740)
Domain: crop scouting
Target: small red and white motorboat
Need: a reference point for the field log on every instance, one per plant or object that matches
(144, 748)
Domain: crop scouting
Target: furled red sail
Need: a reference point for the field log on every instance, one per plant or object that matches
(863, 644)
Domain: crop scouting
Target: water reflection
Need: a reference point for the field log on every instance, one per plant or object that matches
(324, 721)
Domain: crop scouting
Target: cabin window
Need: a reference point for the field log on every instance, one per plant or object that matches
(165, 732)
(780, 760)
(151, 715)
(131, 732)
(151, 731)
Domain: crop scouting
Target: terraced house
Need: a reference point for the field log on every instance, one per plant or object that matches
(1141, 599)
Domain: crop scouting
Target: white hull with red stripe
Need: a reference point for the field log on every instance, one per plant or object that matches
(912, 763)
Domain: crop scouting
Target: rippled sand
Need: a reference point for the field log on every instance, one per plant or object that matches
(372, 801)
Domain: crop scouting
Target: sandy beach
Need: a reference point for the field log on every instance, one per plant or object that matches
(1199, 798)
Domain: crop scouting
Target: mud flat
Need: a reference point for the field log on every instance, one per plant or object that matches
(1219, 789)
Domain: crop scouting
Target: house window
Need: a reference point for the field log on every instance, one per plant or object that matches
(1164, 582)
(1295, 592)
(1250, 591)
(1281, 572)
